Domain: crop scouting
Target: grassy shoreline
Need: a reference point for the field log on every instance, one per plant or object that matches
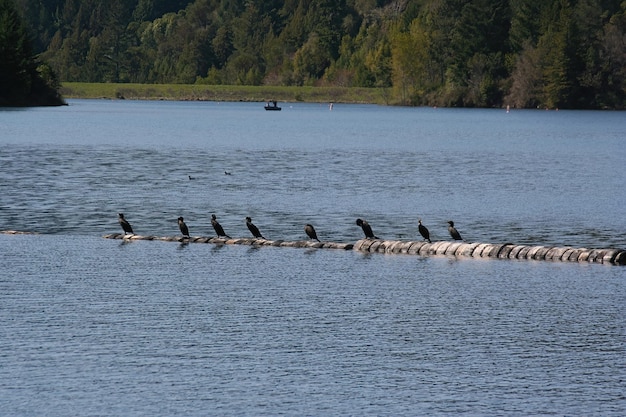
(199, 92)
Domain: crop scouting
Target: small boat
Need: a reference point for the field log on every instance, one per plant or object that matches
(272, 106)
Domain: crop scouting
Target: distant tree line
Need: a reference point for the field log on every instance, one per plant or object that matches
(483, 53)
(24, 81)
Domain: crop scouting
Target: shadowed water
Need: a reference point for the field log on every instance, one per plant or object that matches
(102, 327)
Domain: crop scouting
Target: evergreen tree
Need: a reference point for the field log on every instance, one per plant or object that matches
(21, 83)
(527, 53)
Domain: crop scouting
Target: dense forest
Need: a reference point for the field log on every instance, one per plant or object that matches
(24, 81)
(522, 53)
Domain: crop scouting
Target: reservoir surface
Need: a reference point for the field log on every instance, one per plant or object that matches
(95, 326)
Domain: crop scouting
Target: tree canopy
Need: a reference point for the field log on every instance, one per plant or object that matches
(23, 80)
(483, 53)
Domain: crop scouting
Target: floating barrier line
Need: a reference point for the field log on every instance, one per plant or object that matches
(494, 251)
(236, 241)
(422, 248)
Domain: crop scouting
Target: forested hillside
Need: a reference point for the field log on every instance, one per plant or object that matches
(523, 53)
(24, 81)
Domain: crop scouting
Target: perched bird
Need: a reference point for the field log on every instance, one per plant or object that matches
(310, 232)
(124, 223)
(423, 231)
(453, 232)
(253, 229)
(367, 229)
(183, 227)
(219, 230)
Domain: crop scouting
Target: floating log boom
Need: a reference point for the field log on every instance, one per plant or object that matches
(494, 251)
(237, 241)
(422, 248)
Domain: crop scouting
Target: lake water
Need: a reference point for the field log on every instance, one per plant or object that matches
(92, 326)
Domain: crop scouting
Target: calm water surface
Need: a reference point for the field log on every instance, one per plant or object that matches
(99, 327)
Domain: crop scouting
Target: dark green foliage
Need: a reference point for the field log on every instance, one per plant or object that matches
(523, 53)
(23, 80)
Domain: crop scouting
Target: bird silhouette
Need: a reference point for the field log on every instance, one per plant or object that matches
(219, 230)
(310, 232)
(423, 231)
(183, 227)
(253, 229)
(453, 232)
(367, 229)
(124, 223)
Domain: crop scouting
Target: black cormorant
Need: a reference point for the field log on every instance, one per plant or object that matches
(219, 230)
(453, 232)
(310, 232)
(124, 223)
(253, 229)
(367, 229)
(423, 231)
(183, 227)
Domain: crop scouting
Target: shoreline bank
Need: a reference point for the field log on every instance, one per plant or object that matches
(199, 92)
